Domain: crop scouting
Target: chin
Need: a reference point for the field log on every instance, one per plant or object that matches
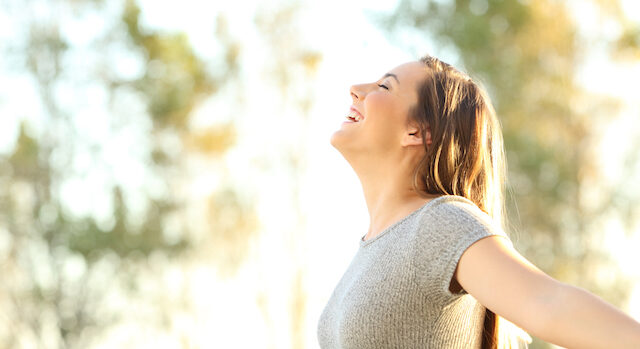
(335, 139)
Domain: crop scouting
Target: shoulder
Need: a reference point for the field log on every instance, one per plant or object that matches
(458, 212)
(449, 226)
(453, 223)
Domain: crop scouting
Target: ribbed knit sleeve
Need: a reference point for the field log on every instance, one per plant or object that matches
(444, 233)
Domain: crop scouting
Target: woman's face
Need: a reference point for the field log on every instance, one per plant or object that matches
(385, 106)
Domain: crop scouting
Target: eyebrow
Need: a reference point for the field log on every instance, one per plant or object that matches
(393, 75)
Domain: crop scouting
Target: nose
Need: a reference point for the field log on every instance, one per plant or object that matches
(357, 93)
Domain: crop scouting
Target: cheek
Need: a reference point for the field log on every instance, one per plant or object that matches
(385, 115)
(377, 103)
(384, 110)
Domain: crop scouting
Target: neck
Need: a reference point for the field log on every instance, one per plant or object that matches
(389, 194)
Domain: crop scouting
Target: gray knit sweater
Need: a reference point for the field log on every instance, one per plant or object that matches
(395, 293)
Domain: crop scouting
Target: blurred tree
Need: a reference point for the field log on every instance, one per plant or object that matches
(626, 44)
(527, 53)
(291, 65)
(64, 270)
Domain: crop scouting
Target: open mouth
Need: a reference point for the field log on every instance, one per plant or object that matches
(354, 117)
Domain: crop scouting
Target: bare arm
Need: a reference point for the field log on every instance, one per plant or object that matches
(506, 283)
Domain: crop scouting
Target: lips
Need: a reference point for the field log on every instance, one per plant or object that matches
(353, 109)
(354, 115)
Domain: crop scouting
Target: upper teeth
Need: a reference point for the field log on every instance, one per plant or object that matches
(355, 116)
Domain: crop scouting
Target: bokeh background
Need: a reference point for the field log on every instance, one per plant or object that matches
(166, 177)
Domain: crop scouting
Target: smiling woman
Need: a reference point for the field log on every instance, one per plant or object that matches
(436, 268)
(383, 106)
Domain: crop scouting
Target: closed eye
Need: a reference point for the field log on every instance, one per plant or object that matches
(383, 86)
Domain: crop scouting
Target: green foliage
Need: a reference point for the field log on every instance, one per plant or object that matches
(24, 160)
(55, 256)
(175, 79)
(126, 241)
(629, 43)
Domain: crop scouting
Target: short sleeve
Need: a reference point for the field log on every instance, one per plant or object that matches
(444, 233)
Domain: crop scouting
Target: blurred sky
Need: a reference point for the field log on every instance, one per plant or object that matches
(354, 51)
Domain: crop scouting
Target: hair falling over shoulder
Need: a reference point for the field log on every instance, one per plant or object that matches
(465, 158)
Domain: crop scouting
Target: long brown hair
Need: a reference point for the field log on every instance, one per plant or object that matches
(465, 157)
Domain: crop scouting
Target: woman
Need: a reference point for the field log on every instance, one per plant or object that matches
(435, 269)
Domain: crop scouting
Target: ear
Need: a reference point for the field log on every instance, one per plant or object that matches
(413, 136)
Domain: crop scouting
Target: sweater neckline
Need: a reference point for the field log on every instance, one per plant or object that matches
(364, 243)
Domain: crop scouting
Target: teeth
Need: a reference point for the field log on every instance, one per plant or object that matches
(355, 116)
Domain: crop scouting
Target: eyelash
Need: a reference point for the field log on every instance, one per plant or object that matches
(383, 86)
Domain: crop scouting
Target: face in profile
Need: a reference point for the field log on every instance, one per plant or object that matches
(383, 107)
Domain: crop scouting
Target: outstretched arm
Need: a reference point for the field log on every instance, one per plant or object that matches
(506, 283)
